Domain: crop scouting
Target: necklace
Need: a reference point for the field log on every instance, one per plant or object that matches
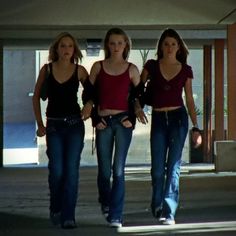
(167, 87)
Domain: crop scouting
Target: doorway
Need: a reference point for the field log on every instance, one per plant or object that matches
(19, 144)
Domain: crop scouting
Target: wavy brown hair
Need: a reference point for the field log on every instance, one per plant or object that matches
(182, 53)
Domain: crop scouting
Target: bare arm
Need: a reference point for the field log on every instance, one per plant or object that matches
(196, 136)
(101, 124)
(190, 101)
(87, 108)
(94, 72)
(82, 74)
(134, 74)
(36, 102)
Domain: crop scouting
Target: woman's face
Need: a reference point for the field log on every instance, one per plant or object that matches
(65, 48)
(170, 47)
(116, 44)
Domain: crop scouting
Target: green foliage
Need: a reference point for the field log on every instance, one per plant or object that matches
(198, 111)
(144, 54)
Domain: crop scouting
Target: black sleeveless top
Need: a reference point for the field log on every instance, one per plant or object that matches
(62, 97)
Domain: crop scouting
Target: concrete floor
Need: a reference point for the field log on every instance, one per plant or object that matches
(207, 204)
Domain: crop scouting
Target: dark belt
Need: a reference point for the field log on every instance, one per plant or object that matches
(125, 113)
(64, 118)
(170, 111)
(57, 119)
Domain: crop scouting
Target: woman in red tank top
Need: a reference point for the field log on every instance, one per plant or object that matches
(113, 79)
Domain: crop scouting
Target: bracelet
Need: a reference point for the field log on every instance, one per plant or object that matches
(195, 129)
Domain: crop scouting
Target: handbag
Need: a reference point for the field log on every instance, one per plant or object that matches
(44, 87)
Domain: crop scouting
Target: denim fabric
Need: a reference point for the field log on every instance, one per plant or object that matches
(168, 134)
(112, 162)
(65, 141)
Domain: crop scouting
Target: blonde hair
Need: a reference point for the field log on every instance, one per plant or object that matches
(117, 31)
(53, 55)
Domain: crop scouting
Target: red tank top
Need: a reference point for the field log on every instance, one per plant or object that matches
(113, 90)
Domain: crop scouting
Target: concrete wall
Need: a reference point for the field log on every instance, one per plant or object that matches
(19, 81)
(225, 158)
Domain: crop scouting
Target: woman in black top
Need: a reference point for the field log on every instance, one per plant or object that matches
(65, 126)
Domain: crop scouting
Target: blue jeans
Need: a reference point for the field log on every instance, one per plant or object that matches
(168, 134)
(65, 142)
(114, 136)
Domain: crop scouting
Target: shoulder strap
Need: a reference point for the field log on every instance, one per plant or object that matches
(44, 87)
(76, 71)
(101, 63)
(49, 67)
(46, 69)
(129, 66)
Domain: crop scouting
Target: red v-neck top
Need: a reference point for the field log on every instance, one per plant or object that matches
(113, 90)
(167, 93)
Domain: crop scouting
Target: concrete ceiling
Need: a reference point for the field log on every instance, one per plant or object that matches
(28, 21)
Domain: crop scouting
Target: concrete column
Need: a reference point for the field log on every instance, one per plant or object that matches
(207, 106)
(231, 54)
(1, 103)
(219, 90)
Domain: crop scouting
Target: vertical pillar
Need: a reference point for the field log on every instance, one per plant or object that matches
(231, 55)
(207, 106)
(1, 104)
(219, 90)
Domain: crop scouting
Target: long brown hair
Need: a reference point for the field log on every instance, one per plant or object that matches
(182, 53)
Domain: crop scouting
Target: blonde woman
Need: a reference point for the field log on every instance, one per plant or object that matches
(65, 126)
(114, 77)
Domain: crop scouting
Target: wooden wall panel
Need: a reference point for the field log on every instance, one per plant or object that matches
(219, 90)
(231, 55)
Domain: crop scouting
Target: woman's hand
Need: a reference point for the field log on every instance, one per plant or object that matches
(41, 131)
(126, 122)
(86, 111)
(196, 138)
(140, 113)
(101, 125)
(141, 116)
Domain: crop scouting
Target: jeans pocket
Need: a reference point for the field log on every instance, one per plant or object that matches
(71, 121)
(50, 129)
